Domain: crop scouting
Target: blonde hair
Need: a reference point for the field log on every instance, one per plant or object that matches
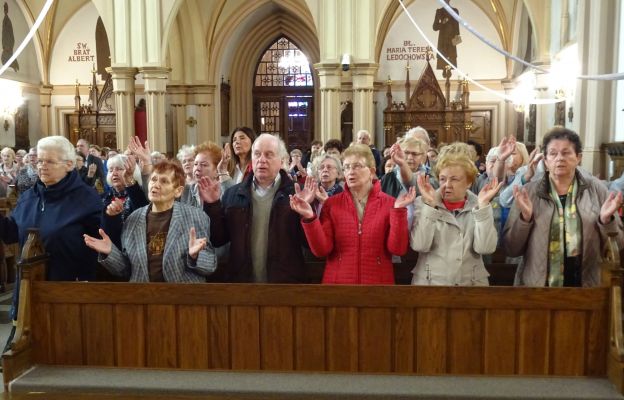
(413, 142)
(362, 151)
(456, 155)
(521, 148)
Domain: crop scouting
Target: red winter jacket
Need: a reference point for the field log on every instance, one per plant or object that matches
(364, 257)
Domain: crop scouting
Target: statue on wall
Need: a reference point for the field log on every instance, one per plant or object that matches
(8, 39)
(448, 36)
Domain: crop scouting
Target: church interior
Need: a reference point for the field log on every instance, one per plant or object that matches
(184, 72)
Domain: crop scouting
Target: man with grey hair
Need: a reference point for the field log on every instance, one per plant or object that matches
(364, 137)
(254, 216)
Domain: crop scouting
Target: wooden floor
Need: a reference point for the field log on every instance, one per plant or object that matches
(82, 396)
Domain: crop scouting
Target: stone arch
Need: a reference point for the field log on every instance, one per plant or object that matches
(185, 47)
(251, 49)
(42, 65)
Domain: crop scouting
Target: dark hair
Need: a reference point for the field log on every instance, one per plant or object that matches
(316, 142)
(333, 144)
(166, 166)
(478, 148)
(81, 155)
(235, 159)
(561, 133)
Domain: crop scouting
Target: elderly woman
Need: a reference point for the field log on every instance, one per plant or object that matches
(205, 163)
(159, 242)
(359, 229)
(27, 176)
(124, 196)
(453, 227)
(8, 170)
(561, 221)
(237, 165)
(186, 156)
(409, 157)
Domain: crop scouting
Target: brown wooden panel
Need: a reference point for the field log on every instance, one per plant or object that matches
(404, 340)
(161, 332)
(465, 342)
(597, 343)
(500, 342)
(533, 342)
(41, 332)
(375, 340)
(342, 338)
(99, 343)
(516, 298)
(192, 337)
(431, 335)
(310, 339)
(66, 329)
(276, 338)
(245, 337)
(130, 335)
(219, 331)
(568, 343)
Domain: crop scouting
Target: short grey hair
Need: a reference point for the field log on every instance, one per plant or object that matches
(60, 145)
(184, 151)
(118, 161)
(281, 146)
(319, 160)
(419, 133)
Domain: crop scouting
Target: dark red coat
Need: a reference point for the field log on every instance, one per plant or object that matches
(358, 255)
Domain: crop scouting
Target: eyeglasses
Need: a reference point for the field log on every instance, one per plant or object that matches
(563, 154)
(355, 167)
(41, 163)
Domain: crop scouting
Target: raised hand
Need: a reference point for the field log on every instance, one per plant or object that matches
(397, 155)
(103, 246)
(610, 206)
(428, 193)
(115, 208)
(309, 189)
(129, 173)
(195, 244)
(506, 147)
(222, 167)
(405, 199)
(209, 190)
(301, 207)
(143, 153)
(91, 170)
(321, 194)
(488, 192)
(525, 205)
(535, 159)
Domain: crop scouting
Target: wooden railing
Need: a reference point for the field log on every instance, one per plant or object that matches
(386, 329)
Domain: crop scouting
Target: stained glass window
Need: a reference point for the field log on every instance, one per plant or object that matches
(283, 64)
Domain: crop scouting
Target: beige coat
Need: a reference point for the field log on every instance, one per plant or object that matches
(530, 239)
(450, 246)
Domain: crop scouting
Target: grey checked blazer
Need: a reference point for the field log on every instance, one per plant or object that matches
(177, 265)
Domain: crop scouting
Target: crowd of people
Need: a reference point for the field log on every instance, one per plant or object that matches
(247, 211)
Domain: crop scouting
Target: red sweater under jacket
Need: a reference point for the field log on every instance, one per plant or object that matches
(358, 255)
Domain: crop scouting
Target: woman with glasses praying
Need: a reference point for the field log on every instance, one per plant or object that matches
(359, 229)
(560, 222)
(328, 173)
(409, 157)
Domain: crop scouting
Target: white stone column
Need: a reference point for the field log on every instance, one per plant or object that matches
(593, 100)
(509, 113)
(45, 101)
(329, 76)
(155, 88)
(123, 88)
(363, 76)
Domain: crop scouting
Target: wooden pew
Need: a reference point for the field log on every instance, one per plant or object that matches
(492, 331)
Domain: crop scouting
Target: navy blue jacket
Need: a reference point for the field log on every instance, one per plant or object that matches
(63, 213)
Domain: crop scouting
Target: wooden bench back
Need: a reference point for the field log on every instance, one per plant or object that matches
(422, 330)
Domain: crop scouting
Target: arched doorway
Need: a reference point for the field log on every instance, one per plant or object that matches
(283, 94)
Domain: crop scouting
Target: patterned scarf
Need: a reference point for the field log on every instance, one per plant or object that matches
(565, 226)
